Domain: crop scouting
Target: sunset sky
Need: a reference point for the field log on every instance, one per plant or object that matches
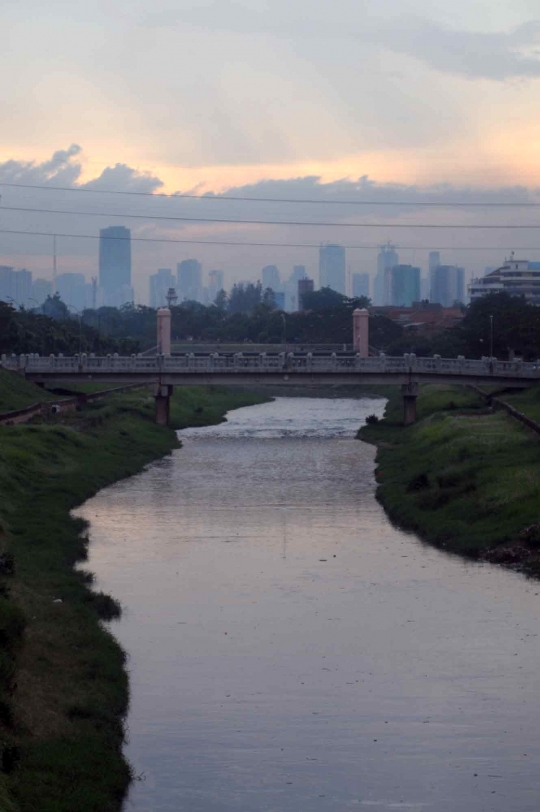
(275, 98)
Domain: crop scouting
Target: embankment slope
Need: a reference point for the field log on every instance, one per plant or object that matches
(63, 683)
(464, 478)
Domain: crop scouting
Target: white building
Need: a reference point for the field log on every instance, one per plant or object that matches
(517, 277)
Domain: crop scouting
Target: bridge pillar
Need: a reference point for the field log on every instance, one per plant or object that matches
(162, 398)
(361, 332)
(164, 331)
(410, 393)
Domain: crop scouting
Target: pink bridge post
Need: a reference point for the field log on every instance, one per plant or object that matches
(361, 332)
(162, 394)
(164, 331)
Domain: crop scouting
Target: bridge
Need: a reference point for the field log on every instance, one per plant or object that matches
(163, 372)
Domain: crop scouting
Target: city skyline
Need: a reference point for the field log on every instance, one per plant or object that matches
(439, 282)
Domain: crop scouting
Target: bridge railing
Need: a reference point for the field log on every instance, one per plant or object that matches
(282, 362)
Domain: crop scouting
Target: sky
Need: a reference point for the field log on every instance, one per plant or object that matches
(361, 100)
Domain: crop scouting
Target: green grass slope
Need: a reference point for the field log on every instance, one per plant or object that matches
(462, 477)
(18, 393)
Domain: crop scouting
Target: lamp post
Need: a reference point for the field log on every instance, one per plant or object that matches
(284, 328)
(491, 337)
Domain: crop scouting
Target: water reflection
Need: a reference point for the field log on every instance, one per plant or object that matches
(291, 650)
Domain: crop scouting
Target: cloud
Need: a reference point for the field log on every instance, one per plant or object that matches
(123, 177)
(475, 55)
(62, 170)
(497, 56)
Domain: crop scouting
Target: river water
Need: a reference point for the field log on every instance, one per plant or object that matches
(291, 651)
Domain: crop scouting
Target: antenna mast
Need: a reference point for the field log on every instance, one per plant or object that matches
(54, 264)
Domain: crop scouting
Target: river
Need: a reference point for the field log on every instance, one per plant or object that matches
(292, 651)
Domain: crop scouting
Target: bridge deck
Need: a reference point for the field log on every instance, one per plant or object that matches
(276, 369)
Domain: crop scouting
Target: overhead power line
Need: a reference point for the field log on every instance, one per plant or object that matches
(226, 198)
(233, 221)
(231, 243)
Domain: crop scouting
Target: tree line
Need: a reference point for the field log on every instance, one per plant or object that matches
(508, 324)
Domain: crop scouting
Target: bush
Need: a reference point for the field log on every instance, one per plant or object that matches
(531, 535)
(372, 419)
(418, 483)
(106, 607)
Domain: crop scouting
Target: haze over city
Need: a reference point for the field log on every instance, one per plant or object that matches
(408, 102)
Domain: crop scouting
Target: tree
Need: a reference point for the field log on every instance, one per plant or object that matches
(322, 299)
(269, 299)
(221, 300)
(55, 308)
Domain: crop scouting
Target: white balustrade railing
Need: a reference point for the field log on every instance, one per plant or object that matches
(300, 363)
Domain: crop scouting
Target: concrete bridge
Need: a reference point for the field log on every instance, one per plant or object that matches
(164, 372)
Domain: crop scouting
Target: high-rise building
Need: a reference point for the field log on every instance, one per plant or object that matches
(332, 263)
(16, 286)
(305, 285)
(22, 287)
(434, 260)
(216, 281)
(447, 285)
(404, 285)
(6, 283)
(115, 265)
(190, 280)
(386, 260)
(41, 288)
(72, 289)
(270, 277)
(298, 273)
(360, 284)
(160, 283)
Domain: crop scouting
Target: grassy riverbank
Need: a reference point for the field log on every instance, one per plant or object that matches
(463, 478)
(17, 393)
(63, 685)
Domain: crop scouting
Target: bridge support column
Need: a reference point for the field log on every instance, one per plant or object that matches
(410, 393)
(361, 332)
(162, 397)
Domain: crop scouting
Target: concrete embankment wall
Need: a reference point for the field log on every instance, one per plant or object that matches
(66, 404)
(497, 403)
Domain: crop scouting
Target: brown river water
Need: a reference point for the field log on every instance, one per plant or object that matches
(292, 651)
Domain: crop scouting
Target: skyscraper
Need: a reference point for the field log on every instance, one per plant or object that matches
(434, 260)
(115, 265)
(6, 283)
(15, 286)
(71, 287)
(22, 287)
(298, 273)
(216, 282)
(360, 284)
(41, 288)
(190, 280)
(160, 283)
(387, 259)
(332, 261)
(270, 277)
(447, 285)
(404, 285)
(305, 285)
